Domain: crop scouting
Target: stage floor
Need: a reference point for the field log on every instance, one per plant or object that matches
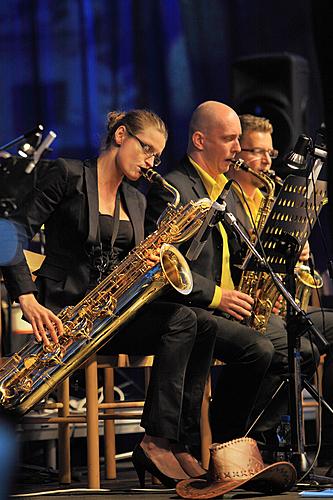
(42, 484)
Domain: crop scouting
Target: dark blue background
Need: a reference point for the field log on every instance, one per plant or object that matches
(66, 63)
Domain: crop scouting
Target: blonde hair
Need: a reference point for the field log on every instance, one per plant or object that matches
(255, 124)
(135, 121)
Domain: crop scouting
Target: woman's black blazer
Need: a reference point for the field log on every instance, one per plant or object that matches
(65, 200)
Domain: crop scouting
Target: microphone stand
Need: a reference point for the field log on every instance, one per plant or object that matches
(20, 138)
(297, 324)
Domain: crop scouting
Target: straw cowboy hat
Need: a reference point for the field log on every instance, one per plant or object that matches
(236, 464)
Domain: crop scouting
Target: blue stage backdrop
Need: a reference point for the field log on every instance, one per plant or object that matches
(66, 63)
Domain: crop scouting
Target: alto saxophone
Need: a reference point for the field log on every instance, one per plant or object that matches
(258, 284)
(31, 373)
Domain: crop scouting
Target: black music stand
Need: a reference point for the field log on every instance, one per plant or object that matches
(286, 230)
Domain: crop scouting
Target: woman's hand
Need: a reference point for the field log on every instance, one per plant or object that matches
(42, 320)
(152, 258)
(235, 303)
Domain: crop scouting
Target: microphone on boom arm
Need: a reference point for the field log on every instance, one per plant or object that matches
(201, 237)
(40, 150)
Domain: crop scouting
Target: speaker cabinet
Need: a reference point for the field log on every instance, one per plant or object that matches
(275, 86)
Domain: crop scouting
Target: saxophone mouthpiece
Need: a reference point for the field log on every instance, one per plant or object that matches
(152, 176)
(240, 164)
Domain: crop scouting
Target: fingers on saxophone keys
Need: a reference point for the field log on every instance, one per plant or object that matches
(39, 331)
(238, 312)
(35, 330)
(246, 298)
(44, 329)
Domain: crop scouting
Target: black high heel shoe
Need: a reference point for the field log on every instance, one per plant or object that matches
(142, 463)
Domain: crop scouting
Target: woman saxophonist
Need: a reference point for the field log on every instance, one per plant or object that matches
(93, 217)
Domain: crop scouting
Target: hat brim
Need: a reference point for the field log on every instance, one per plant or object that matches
(273, 479)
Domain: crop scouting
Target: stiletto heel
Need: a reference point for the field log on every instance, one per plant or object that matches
(142, 463)
(140, 470)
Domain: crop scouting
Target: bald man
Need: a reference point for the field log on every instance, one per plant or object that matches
(213, 142)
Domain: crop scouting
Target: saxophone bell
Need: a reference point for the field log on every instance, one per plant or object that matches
(305, 283)
(175, 269)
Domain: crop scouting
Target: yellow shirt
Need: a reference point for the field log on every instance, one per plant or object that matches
(214, 188)
(253, 204)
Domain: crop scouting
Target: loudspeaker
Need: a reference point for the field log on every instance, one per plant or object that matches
(275, 86)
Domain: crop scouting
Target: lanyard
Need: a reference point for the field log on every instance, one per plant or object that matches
(102, 261)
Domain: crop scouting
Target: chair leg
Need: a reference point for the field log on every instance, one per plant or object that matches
(92, 423)
(206, 435)
(109, 427)
(64, 435)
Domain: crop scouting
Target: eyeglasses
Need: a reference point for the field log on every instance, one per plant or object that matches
(272, 153)
(147, 149)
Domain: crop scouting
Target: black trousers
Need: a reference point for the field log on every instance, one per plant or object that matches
(277, 334)
(256, 365)
(182, 340)
(248, 356)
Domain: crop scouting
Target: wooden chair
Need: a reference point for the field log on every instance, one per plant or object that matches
(110, 414)
(109, 410)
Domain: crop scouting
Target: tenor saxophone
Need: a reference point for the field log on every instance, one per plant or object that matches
(31, 373)
(258, 284)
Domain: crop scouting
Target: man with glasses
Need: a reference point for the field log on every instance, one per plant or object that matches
(244, 201)
(213, 142)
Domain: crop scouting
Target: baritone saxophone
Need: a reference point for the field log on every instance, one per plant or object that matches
(31, 373)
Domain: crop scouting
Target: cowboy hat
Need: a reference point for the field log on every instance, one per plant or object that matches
(235, 464)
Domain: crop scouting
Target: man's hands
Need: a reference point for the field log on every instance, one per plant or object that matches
(235, 303)
(305, 253)
(43, 321)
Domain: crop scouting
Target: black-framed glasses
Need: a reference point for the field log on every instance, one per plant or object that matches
(272, 153)
(147, 149)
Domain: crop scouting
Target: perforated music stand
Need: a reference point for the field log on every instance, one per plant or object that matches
(286, 230)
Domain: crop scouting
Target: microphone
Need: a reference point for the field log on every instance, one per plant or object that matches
(201, 237)
(38, 153)
(296, 159)
(225, 191)
(35, 131)
(31, 143)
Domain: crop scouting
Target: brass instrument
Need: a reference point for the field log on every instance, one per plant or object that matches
(305, 283)
(259, 285)
(36, 369)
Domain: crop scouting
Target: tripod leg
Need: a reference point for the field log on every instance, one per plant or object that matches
(315, 394)
(256, 420)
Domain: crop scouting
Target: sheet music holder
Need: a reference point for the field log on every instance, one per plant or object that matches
(284, 234)
(290, 221)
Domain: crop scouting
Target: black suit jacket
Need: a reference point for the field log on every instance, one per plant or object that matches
(65, 200)
(206, 270)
